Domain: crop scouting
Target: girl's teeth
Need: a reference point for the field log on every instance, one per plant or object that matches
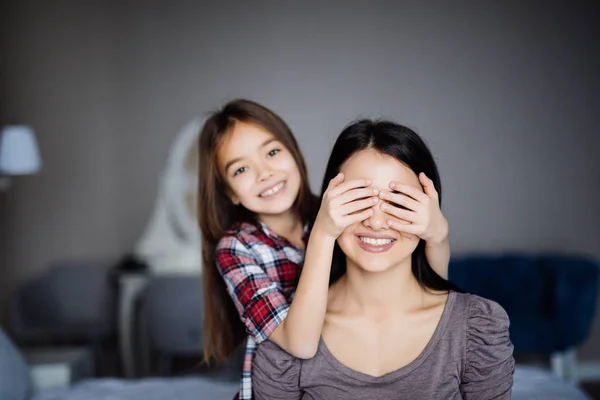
(273, 190)
(376, 242)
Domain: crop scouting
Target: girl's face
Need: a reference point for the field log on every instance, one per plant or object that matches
(371, 245)
(260, 172)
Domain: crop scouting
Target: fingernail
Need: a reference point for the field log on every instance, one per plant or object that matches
(389, 223)
(375, 200)
(375, 191)
(384, 206)
(368, 181)
(392, 185)
(382, 195)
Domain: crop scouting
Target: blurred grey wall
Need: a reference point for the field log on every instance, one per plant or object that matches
(505, 93)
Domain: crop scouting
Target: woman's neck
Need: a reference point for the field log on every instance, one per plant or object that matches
(377, 294)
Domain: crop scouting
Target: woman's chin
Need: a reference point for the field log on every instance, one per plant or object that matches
(375, 265)
(375, 269)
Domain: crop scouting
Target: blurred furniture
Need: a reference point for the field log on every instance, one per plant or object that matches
(170, 244)
(550, 299)
(529, 384)
(195, 388)
(58, 367)
(131, 285)
(171, 241)
(73, 302)
(534, 383)
(15, 383)
(171, 316)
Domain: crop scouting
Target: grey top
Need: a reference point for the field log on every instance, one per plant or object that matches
(469, 356)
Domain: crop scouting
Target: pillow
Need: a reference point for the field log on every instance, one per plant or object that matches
(15, 383)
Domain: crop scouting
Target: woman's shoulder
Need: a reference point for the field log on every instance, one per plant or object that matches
(276, 373)
(478, 309)
(486, 327)
(488, 349)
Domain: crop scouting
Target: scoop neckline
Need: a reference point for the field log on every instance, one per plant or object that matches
(392, 375)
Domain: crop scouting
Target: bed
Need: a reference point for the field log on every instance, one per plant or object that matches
(530, 383)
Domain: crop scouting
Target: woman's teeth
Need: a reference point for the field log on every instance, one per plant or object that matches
(375, 242)
(273, 190)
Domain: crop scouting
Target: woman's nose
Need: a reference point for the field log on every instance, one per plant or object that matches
(378, 220)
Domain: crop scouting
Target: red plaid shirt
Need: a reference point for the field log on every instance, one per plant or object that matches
(261, 271)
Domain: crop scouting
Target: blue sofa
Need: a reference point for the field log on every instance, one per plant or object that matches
(550, 298)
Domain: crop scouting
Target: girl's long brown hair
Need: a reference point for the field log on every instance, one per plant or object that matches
(223, 329)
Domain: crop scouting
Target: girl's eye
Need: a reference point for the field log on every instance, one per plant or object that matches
(273, 152)
(239, 170)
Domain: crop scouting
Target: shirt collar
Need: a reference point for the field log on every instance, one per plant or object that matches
(275, 236)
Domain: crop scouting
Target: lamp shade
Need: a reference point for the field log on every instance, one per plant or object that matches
(19, 153)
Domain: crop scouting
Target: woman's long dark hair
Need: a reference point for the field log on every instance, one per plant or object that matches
(405, 146)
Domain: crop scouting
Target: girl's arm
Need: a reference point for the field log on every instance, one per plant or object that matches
(438, 255)
(342, 203)
(437, 245)
(299, 333)
(260, 301)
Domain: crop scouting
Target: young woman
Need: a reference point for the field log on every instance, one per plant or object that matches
(393, 328)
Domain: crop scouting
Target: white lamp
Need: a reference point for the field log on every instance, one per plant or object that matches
(19, 153)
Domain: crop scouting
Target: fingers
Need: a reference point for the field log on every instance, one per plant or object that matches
(336, 181)
(404, 227)
(355, 194)
(345, 186)
(358, 217)
(401, 199)
(358, 205)
(428, 186)
(415, 193)
(406, 215)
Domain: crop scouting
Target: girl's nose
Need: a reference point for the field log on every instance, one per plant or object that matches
(264, 173)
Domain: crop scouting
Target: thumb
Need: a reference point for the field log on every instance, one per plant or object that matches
(427, 184)
(336, 181)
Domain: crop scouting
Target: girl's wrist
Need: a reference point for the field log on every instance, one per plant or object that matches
(321, 235)
(440, 238)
